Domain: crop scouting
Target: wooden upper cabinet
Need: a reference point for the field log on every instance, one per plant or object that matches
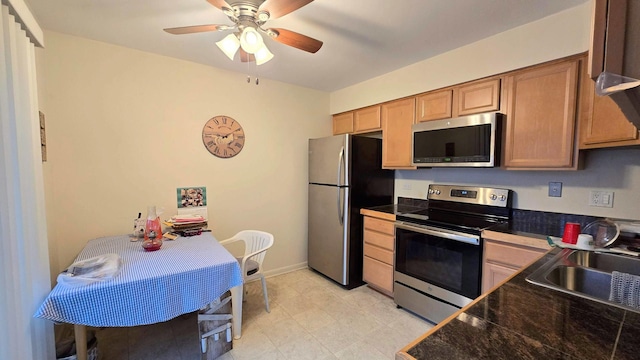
(606, 125)
(541, 116)
(434, 105)
(479, 97)
(343, 123)
(367, 119)
(397, 118)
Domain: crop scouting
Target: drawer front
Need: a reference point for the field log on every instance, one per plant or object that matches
(378, 239)
(383, 226)
(516, 257)
(378, 274)
(386, 256)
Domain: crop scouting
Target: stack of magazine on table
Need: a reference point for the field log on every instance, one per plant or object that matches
(185, 225)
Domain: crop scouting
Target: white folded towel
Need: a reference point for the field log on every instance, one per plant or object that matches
(625, 289)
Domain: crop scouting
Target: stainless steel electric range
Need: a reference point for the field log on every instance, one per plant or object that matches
(438, 261)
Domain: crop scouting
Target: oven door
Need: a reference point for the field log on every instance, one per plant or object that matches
(440, 257)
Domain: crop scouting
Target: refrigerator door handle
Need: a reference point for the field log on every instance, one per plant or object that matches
(340, 162)
(339, 207)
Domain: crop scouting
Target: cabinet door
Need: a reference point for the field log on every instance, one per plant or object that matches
(541, 116)
(434, 106)
(397, 118)
(494, 274)
(607, 126)
(367, 119)
(343, 123)
(479, 97)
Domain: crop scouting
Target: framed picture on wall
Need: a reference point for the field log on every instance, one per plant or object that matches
(192, 197)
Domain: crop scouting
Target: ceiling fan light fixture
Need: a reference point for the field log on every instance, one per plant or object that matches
(229, 45)
(263, 55)
(251, 40)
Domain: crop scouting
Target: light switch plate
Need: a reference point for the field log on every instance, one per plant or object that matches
(555, 189)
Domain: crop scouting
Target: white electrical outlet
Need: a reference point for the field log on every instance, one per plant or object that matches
(601, 198)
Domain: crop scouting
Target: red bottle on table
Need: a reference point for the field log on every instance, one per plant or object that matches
(152, 231)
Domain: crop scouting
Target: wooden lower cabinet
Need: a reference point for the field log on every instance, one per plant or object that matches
(378, 274)
(505, 254)
(493, 274)
(397, 119)
(379, 246)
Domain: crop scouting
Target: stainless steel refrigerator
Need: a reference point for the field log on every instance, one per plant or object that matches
(345, 175)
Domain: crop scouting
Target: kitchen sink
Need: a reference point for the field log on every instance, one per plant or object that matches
(585, 281)
(585, 274)
(605, 262)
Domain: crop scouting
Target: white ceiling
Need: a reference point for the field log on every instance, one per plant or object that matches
(362, 38)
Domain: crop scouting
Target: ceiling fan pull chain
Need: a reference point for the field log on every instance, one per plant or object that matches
(257, 75)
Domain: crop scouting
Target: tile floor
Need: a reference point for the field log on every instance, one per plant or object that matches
(311, 318)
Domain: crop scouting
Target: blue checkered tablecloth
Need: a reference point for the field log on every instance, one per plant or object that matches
(151, 287)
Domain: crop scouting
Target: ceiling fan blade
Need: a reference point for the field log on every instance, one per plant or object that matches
(193, 29)
(219, 4)
(245, 56)
(278, 8)
(296, 40)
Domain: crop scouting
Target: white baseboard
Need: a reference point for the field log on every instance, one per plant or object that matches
(286, 269)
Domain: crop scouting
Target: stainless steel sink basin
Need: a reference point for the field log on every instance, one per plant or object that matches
(585, 281)
(605, 262)
(584, 273)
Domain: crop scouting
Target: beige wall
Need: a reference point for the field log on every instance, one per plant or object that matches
(556, 36)
(124, 131)
(565, 33)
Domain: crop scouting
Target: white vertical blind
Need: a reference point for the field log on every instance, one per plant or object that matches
(24, 258)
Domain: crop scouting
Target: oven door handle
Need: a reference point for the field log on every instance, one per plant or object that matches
(465, 238)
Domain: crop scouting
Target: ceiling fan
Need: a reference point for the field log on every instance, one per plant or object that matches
(248, 18)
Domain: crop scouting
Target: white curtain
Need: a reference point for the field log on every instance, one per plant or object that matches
(24, 258)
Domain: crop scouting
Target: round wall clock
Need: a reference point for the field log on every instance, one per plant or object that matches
(223, 136)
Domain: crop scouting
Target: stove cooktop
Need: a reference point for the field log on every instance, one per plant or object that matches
(465, 208)
(450, 220)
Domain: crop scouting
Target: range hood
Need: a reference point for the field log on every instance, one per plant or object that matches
(614, 57)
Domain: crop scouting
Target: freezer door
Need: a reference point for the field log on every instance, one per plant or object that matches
(328, 224)
(328, 160)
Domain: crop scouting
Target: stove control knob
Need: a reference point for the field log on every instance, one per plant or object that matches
(437, 192)
(430, 191)
(502, 198)
(493, 196)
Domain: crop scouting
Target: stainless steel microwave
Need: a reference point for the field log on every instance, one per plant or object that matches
(469, 141)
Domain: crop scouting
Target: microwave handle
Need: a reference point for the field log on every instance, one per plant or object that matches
(465, 238)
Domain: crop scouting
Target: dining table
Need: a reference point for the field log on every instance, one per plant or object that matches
(183, 276)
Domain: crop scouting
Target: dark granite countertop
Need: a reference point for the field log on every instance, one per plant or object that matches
(395, 209)
(519, 320)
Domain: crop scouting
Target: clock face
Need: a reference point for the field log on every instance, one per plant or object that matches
(223, 136)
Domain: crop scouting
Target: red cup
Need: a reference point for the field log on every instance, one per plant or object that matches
(571, 232)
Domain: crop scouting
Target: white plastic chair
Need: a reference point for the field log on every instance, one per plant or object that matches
(256, 245)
